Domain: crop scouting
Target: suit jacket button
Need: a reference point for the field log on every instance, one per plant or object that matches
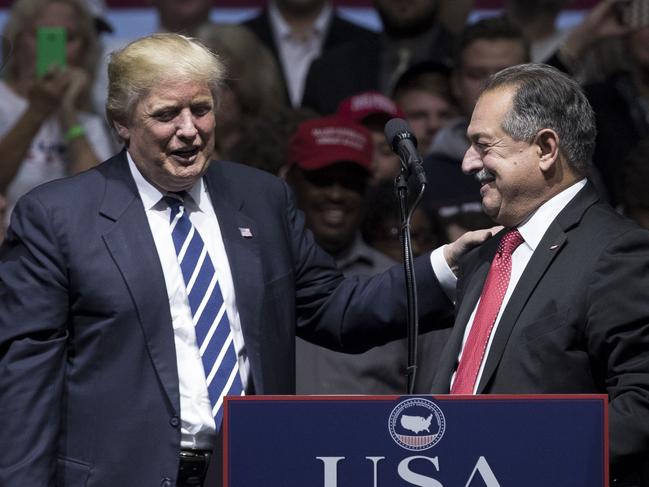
(174, 421)
(166, 482)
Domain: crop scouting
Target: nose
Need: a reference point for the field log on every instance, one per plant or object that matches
(472, 162)
(336, 192)
(186, 127)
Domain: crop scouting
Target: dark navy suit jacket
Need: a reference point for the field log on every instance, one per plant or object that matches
(88, 377)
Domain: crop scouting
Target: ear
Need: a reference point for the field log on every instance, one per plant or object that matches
(547, 142)
(123, 131)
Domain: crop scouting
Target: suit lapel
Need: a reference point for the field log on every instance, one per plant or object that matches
(549, 247)
(468, 295)
(132, 247)
(241, 239)
(470, 292)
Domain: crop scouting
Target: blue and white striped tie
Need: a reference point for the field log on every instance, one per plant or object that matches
(213, 334)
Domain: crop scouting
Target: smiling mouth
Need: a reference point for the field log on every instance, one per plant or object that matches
(333, 216)
(186, 155)
(485, 184)
(484, 178)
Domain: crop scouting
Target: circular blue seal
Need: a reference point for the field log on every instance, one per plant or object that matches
(416, 424)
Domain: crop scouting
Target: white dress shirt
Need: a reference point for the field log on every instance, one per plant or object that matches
(532, 231)
(197, 423)
(297, 52)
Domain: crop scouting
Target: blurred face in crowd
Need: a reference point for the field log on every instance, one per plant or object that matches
(332, 199)
(385, 163)
(406, 17)
(422, 236)
(512, 184)
(182, 16)
(228, 119)
(422, 233)
(171, 134)
(56, 14)
(479, 60)
(426, 113)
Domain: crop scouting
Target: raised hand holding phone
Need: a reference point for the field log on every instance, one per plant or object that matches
(58, 85)
(46, 94)
(77, 81)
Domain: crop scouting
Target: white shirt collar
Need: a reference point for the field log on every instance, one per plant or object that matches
(535, 226)
(151, 195)
(283, 30)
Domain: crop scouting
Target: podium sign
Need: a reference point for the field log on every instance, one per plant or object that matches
(434, 441)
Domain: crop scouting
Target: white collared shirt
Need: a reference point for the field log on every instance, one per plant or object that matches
(296, 53)
(532, 230)
(197, 423)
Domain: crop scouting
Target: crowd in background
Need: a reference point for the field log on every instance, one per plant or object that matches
(307, 96)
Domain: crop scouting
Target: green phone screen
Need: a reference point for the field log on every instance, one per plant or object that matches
(50, 48)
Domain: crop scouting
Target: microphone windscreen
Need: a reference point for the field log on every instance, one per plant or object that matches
(394, 127)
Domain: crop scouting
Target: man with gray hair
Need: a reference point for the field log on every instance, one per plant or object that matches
(558, 301)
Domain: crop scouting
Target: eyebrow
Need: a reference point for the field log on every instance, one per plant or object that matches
(162, 109)
(171, 105)
(478, 135)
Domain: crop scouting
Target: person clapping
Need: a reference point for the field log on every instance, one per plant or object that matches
(45, 130)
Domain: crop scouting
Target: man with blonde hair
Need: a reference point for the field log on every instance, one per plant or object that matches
(138, 294)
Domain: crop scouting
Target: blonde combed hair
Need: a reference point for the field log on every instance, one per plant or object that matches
(146, 62)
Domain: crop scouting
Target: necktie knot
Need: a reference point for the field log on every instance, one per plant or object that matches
(175, 201)
(174, 198)
(510, 241)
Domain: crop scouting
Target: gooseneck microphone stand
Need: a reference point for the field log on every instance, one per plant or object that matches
(408, 267)
(404, 144)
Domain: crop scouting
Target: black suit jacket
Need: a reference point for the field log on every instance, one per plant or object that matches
(577, 321)
(339, 32)
(89, 383)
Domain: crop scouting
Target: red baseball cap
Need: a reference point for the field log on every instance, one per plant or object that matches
(324, 141)
(369, 104)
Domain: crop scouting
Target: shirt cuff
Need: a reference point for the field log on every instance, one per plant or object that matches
(443, 272)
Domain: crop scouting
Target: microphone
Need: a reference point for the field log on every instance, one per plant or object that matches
(404, 144)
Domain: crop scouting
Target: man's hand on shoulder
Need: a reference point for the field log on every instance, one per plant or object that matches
(455, 250)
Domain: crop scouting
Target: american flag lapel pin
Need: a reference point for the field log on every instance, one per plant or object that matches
(245, 232)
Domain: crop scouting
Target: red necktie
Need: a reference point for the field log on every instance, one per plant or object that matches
(491, 299)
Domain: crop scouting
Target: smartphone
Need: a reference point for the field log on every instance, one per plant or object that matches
(50, 48)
